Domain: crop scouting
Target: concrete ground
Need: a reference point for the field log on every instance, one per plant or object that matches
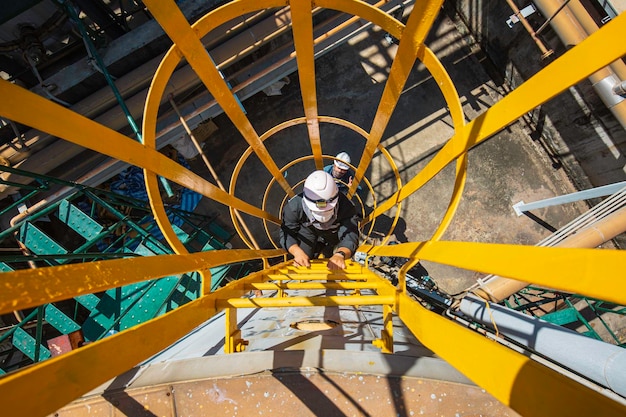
(288, 383)
(502, 171)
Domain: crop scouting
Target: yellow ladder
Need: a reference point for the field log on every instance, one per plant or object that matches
(354, 279)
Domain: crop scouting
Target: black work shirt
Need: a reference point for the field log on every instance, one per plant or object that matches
(345, 228)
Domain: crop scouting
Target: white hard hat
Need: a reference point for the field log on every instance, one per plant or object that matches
(320, 195)
(342, 161)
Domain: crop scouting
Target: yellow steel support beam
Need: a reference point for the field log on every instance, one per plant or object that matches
(233, 10)
(410, 47)
(531, 389)
(595, 273)
(322, 273)
(366, 11)
(233, 341)
(81, 370)
(396, 217)
(319, 266)
(61, 122)
(595, 52)
(455, 199)
(30, 288)
(160, 215)
(385, 343)
(302, 26)
(152, 186)
(325, 301)
(187, 40)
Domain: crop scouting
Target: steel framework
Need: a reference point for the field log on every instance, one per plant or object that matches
(513, 377)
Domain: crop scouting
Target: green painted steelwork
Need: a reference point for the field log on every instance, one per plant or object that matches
(79, 221)
(28, 345)
(102, 225)
(57, 319)
(38, 242)
(563, 309)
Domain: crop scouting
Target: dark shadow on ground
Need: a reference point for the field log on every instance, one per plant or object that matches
(383, 224)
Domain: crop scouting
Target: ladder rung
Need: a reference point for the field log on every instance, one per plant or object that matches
(316, 285)
(318, 266)
(329, 301)
(312, 277)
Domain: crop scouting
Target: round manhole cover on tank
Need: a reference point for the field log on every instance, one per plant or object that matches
(314, 325)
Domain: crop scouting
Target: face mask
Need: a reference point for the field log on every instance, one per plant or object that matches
(320, 219)
(323, 216)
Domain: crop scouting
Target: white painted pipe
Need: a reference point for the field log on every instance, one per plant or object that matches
(599, 361)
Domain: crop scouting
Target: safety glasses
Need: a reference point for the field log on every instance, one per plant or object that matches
(321, 203)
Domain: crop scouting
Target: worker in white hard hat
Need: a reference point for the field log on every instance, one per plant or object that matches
(320, 220)
(341, 172)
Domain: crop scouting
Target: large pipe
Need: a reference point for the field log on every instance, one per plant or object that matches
(573, 24)
(599, 361)
(497, 288)
(620, 88)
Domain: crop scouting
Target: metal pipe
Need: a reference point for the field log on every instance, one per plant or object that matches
(602, 191)
(620, 88)
(545, 52)
(497, 288)
(599, 361)
(91, 50)
(573, 25)
(547, 22)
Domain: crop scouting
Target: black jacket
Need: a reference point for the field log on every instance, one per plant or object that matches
(345, 226)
